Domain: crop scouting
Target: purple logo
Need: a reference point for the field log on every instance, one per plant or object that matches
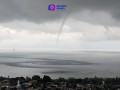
(52, 7)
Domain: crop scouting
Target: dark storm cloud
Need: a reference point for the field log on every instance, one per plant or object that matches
(32, 10)
(36, 10)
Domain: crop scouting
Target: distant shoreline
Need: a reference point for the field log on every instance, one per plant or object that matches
(51, 50)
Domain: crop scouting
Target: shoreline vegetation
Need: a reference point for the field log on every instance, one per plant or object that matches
(46, 83)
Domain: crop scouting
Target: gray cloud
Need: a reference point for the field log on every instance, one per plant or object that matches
(36, 10)
(26, 10)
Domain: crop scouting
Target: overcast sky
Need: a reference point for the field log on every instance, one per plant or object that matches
(89, 24)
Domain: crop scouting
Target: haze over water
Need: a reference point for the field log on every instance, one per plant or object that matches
(56, 63)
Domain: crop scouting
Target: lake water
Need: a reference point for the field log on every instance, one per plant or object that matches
(60, 63)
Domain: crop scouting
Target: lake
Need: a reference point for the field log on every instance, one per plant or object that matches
(56, 63)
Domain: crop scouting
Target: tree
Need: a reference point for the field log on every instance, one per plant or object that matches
(36, 77)
(46, 79)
